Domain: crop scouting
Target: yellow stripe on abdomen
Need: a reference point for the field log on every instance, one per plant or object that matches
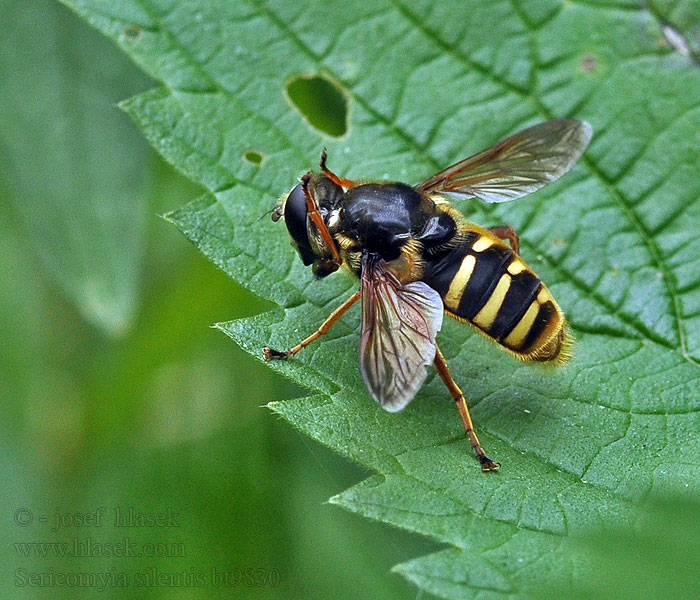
(487, 315)
(482, 244)
(459, 282)
(541, 333)
(483, 283)
(517, 266)
(517, 336)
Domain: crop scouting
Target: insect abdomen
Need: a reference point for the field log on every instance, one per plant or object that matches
(483, 282)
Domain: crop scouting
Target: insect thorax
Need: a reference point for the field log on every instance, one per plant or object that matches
(390, 220)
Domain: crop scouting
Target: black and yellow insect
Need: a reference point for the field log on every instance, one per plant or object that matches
(418, 257)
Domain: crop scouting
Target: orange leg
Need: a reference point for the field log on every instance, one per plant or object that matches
(269, 353)
(317, 220)
(441, 365)
(341, 181)
(506, 232)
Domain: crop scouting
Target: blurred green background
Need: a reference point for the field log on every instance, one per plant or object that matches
(116, 394)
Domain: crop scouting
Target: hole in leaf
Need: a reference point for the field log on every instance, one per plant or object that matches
(133, 33)
(321, 102)
(253, 157)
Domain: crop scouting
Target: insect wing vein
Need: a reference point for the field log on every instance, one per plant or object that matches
(516, 166)
(399, 326)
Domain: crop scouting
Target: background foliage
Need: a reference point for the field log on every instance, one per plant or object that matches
(162, 411)
(414, 88)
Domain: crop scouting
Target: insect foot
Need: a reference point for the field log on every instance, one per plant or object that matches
(270, 354)
(488, 465)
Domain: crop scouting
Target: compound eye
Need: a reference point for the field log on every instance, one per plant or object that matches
(295, 215)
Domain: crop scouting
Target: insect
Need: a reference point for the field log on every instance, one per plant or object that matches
(417, 258)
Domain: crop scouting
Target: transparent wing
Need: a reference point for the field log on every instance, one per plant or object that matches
(399, 326)
(516, 166)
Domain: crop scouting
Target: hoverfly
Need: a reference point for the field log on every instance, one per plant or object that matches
(417, 257)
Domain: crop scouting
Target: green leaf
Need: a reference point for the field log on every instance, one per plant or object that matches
(657, 559)
(428, 83)
(71, 164)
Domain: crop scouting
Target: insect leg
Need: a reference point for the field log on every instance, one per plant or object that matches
(341, 181)
(506, 232)
(269, 353)
(317, 220)
(441, 365)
